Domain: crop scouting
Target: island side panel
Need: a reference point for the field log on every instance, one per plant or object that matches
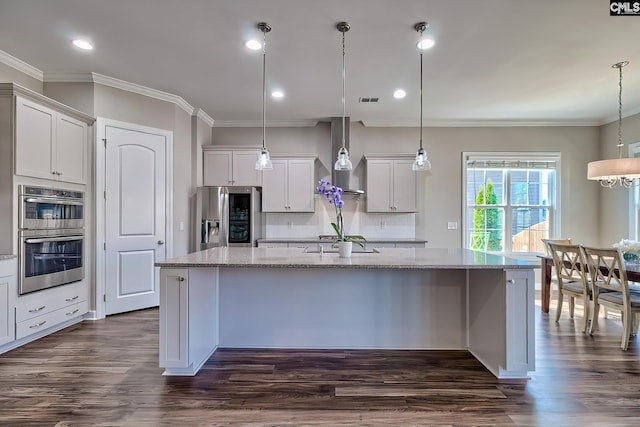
(343, 308)
(501, 326)
(188, 318)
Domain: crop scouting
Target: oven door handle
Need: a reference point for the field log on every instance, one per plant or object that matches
(52, 201)
(54, 239)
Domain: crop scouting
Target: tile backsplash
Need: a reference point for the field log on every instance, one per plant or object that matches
(356, 221)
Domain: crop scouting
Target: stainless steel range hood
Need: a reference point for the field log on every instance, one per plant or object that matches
(341, 178)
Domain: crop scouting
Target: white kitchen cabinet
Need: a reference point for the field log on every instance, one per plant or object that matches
(42, 310)
(289, 187)
(231, 167)
(50, 144)
(391, 185)
(8, 290)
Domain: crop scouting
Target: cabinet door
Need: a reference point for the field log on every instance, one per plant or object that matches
(174, 317)
(35, 133)
(274, 188)
(404, 187)
(70, 154)
(217, 168)
(7, 320)
(300, 188)
(379, 185)
(244, 169)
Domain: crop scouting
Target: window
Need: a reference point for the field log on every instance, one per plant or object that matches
(509, 201)
(634, 200)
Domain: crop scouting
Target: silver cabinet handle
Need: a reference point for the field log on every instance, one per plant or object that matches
(71, 299)
(35, 310)
(54, 239)
(37, 325)
(71, 313)
(161, 242)
(52, 201)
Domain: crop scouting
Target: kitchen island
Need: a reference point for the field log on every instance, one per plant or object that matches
(392, 299)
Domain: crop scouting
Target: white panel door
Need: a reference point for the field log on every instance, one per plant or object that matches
(35, 139)
(379, 185)
(244, 169)
(217, 169)
(135, 218)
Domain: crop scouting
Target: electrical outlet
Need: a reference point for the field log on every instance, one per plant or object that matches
(181, 225)
(452, 225)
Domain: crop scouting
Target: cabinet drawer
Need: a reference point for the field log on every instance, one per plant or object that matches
(46, 301)
(45, 321)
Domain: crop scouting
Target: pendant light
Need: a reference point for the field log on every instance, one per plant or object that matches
(421, 163)
(264, 158)
(343, 163)
(621, 171)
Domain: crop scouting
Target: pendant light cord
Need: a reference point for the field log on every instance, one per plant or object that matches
(421, 31)
(344, 77)
(620, 144)
(264, 88)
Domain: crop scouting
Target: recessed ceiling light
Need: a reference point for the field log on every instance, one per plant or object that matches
(253, 44)
(426, 43)
(399, 94)
(278, 94)
(82, 44)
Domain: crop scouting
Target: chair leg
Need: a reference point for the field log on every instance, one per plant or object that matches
(594, 317)
(626, 329)
(636, 324)
(572, 305)
(586, 317)
(559, 305)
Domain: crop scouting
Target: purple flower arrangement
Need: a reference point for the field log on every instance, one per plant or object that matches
(334, 197)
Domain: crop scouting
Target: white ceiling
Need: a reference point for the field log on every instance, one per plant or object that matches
(494, 62)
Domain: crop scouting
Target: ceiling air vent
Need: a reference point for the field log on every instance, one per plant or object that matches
(367, 100)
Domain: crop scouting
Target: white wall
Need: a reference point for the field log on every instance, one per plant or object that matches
(440, 192)
(11, 75)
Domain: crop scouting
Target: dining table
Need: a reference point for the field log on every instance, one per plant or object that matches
(546, 264)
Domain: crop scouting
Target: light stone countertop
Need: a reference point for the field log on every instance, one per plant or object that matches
(421, 258)
(318, 240)
(9, 256)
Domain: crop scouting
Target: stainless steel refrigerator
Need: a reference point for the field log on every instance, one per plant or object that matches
(226, 216)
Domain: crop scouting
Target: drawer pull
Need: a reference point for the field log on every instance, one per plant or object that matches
(35, 310)
(71, 299)
(71, 313)
(36, 326)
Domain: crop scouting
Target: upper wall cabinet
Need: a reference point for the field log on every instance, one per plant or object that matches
(50, 144)
(289, 187)
(230, 167)
(391, 184)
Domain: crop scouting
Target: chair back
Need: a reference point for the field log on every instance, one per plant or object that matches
(570, 264)
(547, 250)
(607, 270)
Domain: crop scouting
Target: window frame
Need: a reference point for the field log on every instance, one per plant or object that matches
(500, 156)
(634, 200)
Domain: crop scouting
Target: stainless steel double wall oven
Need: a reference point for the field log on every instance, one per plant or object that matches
(50, 237)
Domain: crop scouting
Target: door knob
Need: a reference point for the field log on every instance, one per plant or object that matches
(161, 242)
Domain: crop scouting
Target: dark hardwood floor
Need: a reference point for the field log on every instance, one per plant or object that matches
(105, 373)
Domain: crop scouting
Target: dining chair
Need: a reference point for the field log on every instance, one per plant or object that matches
(572, 279)
(547, 252)
(611, 289)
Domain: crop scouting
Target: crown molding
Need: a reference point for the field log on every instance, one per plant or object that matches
(198, 112)
(20, 65)
(270, 123)
(452, 123)
(612, 119)
(142, 90)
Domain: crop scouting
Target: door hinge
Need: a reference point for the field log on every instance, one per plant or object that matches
(104, 297)
(104, 245)
(105, 142)
(104, 194)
